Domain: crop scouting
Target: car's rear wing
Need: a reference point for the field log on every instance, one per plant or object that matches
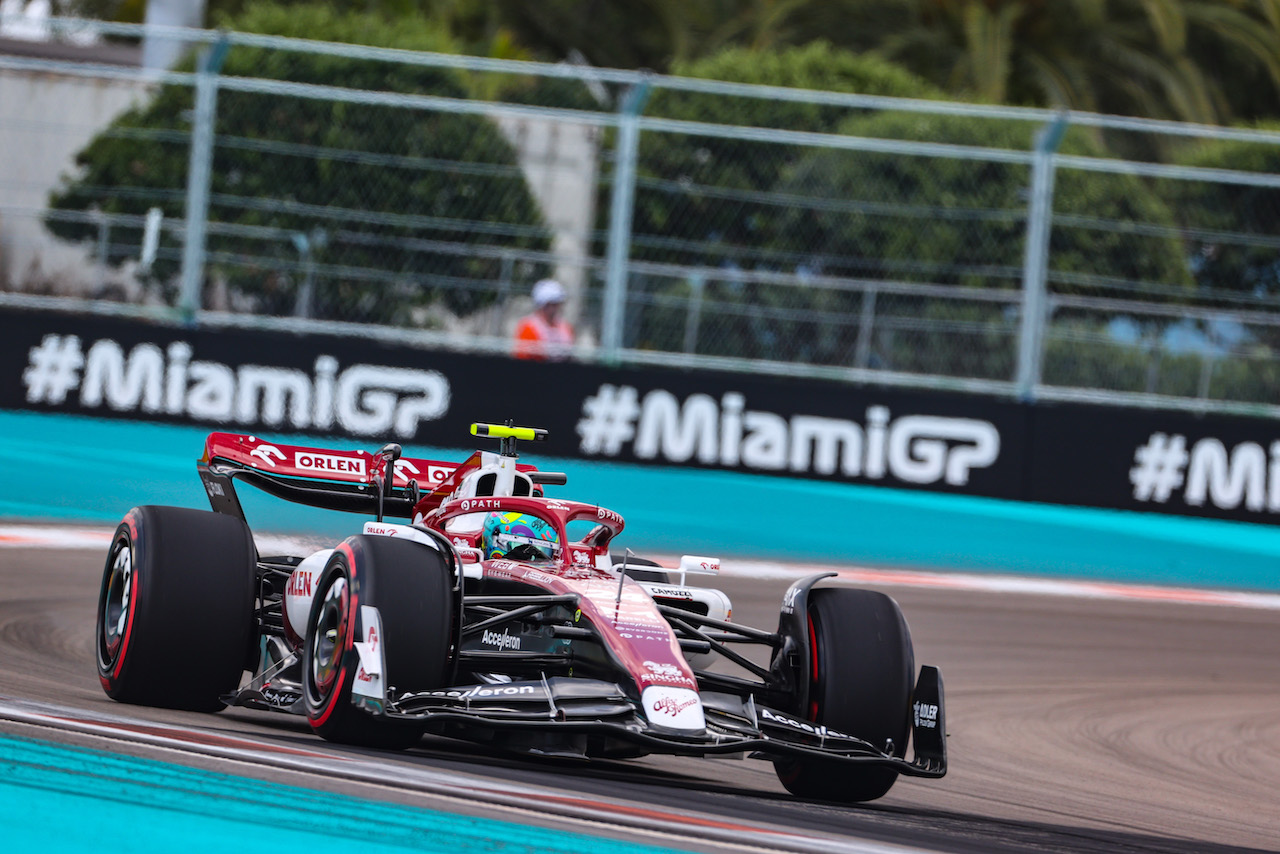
(326, 478)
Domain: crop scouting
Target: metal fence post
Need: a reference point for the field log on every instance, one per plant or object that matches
(620, 211)
(199, 175)
(697, 285)
(1035, 261)
(866, 328)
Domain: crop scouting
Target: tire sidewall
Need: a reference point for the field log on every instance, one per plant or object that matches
(861, 666)
(322, 709)
(189, 613)
(113, 665)
(840, 694)
(411, 585)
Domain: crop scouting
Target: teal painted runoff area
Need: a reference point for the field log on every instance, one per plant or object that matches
(73, 468)
(57, 798)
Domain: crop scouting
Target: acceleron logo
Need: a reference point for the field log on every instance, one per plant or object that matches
(919, 449)
(365, 400)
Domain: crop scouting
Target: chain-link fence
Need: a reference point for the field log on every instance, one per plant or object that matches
(693, 222)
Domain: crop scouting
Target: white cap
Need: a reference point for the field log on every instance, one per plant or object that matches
(547, 291)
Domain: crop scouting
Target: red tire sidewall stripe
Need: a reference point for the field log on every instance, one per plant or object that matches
(131, 520)
(813, 672)
(347, 642)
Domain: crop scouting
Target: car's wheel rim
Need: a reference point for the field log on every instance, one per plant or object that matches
(326, 644)
(115, 605)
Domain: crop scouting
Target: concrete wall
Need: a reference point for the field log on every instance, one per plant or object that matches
(45, 119)
(561, 162)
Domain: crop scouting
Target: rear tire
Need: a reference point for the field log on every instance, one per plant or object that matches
(411, 585)
(175, 610)
(860, 684)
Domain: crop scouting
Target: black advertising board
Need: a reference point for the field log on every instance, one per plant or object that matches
(372, 390)
(1150, 460)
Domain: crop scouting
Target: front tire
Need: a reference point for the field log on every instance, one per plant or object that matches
(175, 609)
(861, 667)
(411, 585)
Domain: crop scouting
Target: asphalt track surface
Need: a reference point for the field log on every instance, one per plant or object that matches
(1076, 725)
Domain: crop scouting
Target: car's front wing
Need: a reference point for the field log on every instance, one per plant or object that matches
(595, 707)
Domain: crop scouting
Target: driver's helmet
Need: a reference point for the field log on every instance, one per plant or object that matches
(504, 532)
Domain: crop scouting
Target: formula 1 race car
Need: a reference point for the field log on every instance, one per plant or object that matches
(500, 616)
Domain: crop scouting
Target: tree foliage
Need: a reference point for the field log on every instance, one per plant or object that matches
(963, 222)
(856, 215)
(353, 189)
(1247, 263)
(697, 191)
(1196, 60)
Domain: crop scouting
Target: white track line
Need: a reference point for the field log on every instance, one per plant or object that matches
(1029, 585)
(78, 537)
(518, 801)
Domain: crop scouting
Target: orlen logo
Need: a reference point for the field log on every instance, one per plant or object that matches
(379, 530)
(329, 463)
(299, 584)
(406, 471)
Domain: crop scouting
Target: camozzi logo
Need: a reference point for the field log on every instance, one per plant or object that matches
(362, 399)
(922, 449)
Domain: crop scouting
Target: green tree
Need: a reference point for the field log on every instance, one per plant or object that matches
(1196, 60)
(1233, 227)
(710, 201)
(654, 34)
(962, 222)
(1180, 59)
(388, 198)
(697, 196)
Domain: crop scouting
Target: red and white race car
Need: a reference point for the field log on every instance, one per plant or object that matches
(496, 614)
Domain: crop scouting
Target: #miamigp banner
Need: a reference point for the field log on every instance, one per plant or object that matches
(373, 390)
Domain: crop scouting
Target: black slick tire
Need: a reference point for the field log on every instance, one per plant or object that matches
(175, 609)
(411, 585)
(862, 664)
